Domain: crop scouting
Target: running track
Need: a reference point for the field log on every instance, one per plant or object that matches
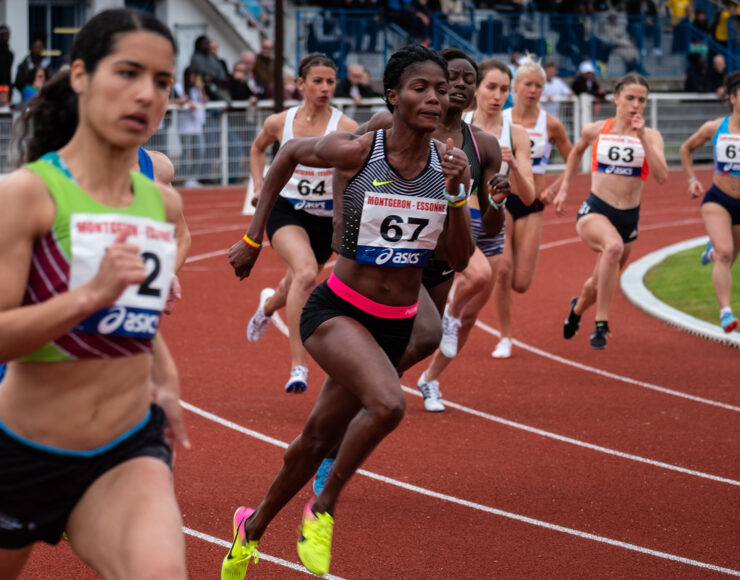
(561, 462)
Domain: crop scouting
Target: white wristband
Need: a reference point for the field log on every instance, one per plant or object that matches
(692, 179)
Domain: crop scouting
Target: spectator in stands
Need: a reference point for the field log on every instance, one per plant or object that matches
(4, 95)
(224, 67)
(6, 58)
(291, 91)
(697, 79)
(643, 24)
(205, 63)
(585, 82)
(239, 89)
(35, 79)
(730, 10)
(400, 12)
(325, 35)
(716, 74)
(34, 59)
(249, 60)
(356, 85)
(681, 12)
(611, 38)
(701, 22)
(554, 87)
(191, 119)
(572, 36)
(264, 67)
(421, 28)
(458, 14)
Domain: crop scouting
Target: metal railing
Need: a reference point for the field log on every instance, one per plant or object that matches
(219, 154)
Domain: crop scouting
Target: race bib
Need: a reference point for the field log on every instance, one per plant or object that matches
(537, 145)
(396, 230)
(137, 311)
(728, 153)
(620, 155)
(310, 190)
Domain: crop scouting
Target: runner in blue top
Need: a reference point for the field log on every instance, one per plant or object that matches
(720, 208)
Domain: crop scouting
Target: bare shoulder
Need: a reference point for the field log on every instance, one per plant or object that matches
(26, 202)
(346, 124)
(591, 130)
(654, 135)
(345, 151)
(554, 125)
(172, 201)
(164, 170)
(488, 145)
(274, 123)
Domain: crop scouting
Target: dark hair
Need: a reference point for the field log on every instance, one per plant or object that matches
(51, 118)
(493, 64)
(187, 84)
(313, 59)
(404, 58)
(454, 53)
(630, 79)
(732, 83)
(30, 75)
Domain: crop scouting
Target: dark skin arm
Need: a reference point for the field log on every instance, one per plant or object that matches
(492, 220)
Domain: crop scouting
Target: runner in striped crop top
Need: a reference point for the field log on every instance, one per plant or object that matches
(405, 194)
(624, 152)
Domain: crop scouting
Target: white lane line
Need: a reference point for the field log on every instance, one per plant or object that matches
(616, 377)
(579, 443)
(477, 506)
(262, 556)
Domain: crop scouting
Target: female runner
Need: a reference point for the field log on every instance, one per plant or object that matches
(624, 154)
(403, 192)
(524, 222)
(300, 225)
(720, 208)
(77, 322)
(474, 287)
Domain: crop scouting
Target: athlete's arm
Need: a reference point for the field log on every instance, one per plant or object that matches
(380, 120)
(164, 171)
(459, 244)
(559, 137)
(704, 134)
(271, 131)
(28, 214)
(166, 393)
(492, 220)
(521, 165)
(652, 143)
(589, 134)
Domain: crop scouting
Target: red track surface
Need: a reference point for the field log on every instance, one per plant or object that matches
(491, 476)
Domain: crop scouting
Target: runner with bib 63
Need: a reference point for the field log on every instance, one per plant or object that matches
(624, 154)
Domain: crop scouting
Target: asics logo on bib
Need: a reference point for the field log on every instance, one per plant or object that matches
(302, 204)
(131, 322)
(410, 258)
(376, 183)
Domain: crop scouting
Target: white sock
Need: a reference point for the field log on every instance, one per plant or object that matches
(725, 310)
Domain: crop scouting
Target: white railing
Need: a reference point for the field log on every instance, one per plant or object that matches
(220, 154)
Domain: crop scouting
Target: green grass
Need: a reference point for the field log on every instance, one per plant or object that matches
(682, 282)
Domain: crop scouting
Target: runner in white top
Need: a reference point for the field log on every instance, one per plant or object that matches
(524, 222)
(474, 286)
(300, 225)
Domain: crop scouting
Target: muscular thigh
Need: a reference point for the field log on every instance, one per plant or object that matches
(294, 247)
(597, 231)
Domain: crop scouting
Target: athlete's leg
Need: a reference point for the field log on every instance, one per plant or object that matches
(723, 235)
(280, 297)
(128, 524)
(473, 280)
(602, 237)
(294, 247)
(526, 250)
(504, 280)
(427, 331)
(12, 562)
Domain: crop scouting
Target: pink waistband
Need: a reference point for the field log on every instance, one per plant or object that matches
(366, 305)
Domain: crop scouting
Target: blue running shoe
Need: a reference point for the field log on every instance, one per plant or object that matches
(705, 255)
(728, 322)
(3, 366)
(319, 480)
(298, 381)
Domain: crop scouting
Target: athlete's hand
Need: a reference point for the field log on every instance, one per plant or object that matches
(695, 189)
(559, 201)
(173, 296)
(454, 163)
(242, 258)
(638, 125)
(120, 267)
(546, 196)
(508, 157)
(500, 187)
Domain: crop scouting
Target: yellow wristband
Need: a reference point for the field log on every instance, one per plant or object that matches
(250, 242)
(457, 203)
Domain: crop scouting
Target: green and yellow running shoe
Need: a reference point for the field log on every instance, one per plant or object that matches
(234, 566)
(314, 544)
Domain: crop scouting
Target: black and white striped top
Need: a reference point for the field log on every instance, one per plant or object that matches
(388, 219)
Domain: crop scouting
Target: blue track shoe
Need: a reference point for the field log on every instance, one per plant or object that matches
(319, 480)
(728, 322)
(706, 256)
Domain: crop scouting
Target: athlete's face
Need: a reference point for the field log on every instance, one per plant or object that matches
(631, 101)
(462, 83)
(126, 96)
(319, 85)
(493, 91)
(422, 97)
(528, 88)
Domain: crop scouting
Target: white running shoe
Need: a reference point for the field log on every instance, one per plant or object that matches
(450, 328)
(258, 323)
(430, 391)
(503, 349)
(298, 381)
